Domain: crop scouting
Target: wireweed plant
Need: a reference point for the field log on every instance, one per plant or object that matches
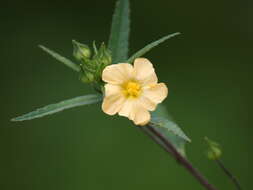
(128, 86)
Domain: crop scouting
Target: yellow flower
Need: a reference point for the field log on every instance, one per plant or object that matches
(132, 91)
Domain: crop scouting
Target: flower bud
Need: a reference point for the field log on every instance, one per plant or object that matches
(92, 68)
(103, 56)
(81, 51)
(214, 151)
(87, 77)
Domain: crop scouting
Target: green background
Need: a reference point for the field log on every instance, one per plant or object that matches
(208, 70)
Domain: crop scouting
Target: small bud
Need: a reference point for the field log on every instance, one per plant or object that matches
(87, 77)
(81, 51)
(103, 56)
(214, 151)
(91, 68)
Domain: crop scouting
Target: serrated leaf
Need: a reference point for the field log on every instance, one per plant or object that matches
(169, 125)
(150, 46)
(119, 37)
(54, 108)
(60, 58)
(164, 124)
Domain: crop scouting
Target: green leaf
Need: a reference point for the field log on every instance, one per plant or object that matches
(150, 46)
(54, 108)
(170, 126)
(118, 42)
(62, 59)
(164, 124)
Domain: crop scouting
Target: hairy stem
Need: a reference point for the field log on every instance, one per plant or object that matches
(168, 147)
(229, 174)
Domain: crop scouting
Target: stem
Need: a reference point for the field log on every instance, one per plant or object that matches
(155, 138)
(229, 174)
(168, 147)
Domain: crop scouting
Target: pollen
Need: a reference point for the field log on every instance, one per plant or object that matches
(132, 89)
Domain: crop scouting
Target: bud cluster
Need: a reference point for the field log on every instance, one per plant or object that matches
(92, 63)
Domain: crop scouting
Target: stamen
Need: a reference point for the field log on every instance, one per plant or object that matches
(132, 89)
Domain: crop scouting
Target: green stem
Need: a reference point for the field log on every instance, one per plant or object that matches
(229, 174)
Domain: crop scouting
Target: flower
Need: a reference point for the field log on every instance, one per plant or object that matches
(81, 51)
(132, 90)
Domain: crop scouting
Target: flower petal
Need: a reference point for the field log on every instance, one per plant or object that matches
(144, 71)
(147, 103)
(112, 89)
(112, 104)
(127, 108)
(156, 93)
(117, 73)
(140, 115)
(134, 110)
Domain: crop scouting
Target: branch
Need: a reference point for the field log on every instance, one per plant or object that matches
(229, 174)
(168, 147)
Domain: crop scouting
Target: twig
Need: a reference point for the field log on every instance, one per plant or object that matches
(229, 174)
(155, 138)
(168, 147)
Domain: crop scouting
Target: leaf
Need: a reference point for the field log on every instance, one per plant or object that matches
(60, 58)
(119, 37)
(54, 108)
(164, 124)
(179, 143)
(150, 46)
(170, 126)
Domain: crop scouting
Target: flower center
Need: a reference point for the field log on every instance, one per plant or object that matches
(131, 89)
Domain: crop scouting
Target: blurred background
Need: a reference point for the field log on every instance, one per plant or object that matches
(208, 70)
